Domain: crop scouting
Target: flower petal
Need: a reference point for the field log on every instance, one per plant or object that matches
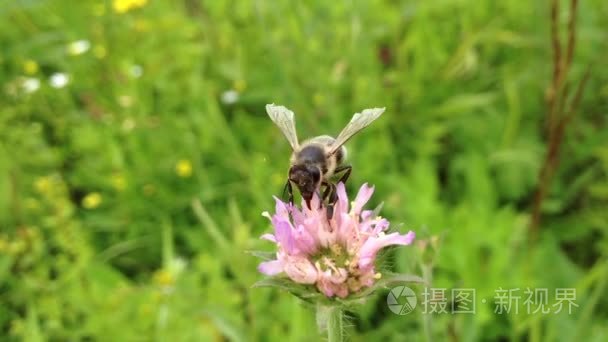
(268, 237)
(338, 276)
(366, 214)
(367, 253)
(380, 226)
(342, 203)
(365, 193)
(297, 215)
(304, 241)
(271, 268)
(325, 286)
(348, 233)
(282, 233)
(328, 285)
(300, 270)
(281, 208)
(342, 291)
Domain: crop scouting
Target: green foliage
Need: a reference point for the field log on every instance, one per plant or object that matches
(130, 196)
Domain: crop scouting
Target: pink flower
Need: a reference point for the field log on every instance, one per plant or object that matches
(338, 254)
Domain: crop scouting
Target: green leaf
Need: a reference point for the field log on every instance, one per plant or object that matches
(263, 255)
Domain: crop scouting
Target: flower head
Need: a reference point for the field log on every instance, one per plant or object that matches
(59, 80)
(92, 200)
(78, 47)
(183, 168)
(123, 6)
(230, 97)
(30, 67)
(335, 254)
(30, 84)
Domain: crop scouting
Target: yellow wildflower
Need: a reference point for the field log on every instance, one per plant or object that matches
(123, 6)
(119, 182)
(240, 85)
(100, 51)
(183, 168)
(43, 185)
(92, 200)
(164, 278)
(30, 67)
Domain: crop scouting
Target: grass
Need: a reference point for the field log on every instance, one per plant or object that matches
(130, 196)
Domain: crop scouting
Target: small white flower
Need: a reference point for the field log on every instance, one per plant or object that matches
(79, 47)
(230, 96)
(125, 101)
(128, 124)
(136, 71)
(59, 80)
(177, 265)
(30, 84)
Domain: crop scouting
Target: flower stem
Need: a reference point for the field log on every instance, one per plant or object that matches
(427, 275)
(334, 325)
(330, 318)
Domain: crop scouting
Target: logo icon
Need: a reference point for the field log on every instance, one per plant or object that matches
(401, 300)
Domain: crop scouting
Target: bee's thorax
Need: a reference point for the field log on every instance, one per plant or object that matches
(315, 152)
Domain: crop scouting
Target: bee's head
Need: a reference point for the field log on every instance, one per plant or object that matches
(306, 178)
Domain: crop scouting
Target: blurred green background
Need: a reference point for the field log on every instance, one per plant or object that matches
(136, 158)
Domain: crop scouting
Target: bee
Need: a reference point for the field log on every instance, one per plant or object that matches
(316, 161)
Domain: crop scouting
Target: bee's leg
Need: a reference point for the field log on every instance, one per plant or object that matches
(289, 191)
(331, 200)
(323, 195)
(326, 192)
(346, 169)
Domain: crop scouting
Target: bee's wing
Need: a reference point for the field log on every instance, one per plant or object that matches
(357, 123)
(283, 118)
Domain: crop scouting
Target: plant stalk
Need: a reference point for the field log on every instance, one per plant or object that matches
(427, 275)
(330, 318)
(334, 325)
